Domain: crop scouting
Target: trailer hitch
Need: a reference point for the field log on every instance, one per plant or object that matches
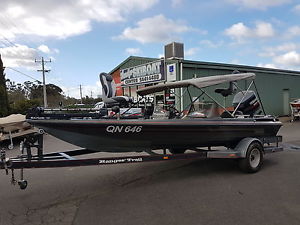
(6, 164)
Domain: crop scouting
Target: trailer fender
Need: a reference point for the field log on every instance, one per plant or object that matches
(243, 145)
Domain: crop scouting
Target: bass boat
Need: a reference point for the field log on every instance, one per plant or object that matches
(174, 130)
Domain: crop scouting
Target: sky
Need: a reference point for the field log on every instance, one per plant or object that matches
(86, 37)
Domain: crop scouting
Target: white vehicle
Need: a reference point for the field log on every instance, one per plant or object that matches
(99, 105)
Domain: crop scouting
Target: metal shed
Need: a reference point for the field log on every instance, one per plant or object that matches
(277, 87)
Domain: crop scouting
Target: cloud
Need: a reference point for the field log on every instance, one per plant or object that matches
(55, 50)
(286, 47)
(133, 51)
(267, 65)
(211, 44)
(235, 61)
(176, 3)
(291, 58)
(20, 56)
(47, 50)
(293, 31)
(264, 30)
(62, 19)
(258, 4)
(156, 29)
(297, 8)
(191, 51)
(273, 51)
(240, 32)
(44, 48)
(160, 55)
(283, 56)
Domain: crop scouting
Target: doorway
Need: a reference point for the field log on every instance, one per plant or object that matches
(286, 101)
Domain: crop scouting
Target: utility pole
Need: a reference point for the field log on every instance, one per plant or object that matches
(44, 82)
(80, 93)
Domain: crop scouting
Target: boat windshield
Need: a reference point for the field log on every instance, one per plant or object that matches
(203, 110)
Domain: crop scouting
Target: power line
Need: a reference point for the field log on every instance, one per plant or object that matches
(9, 41)
(4, 44)
(10, 22)
(8, 28)
(24, 74)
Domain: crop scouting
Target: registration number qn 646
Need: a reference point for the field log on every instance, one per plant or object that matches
(125, 129)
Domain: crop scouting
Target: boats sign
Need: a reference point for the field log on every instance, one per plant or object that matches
(142, 74)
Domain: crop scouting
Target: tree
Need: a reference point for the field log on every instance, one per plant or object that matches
(24, 105)
(54, 93)
(4, 106)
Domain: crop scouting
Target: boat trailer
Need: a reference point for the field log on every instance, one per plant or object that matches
(249, 151)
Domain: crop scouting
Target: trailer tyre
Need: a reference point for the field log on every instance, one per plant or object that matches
(254, 158)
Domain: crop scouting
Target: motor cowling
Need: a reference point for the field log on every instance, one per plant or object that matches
(247, 102)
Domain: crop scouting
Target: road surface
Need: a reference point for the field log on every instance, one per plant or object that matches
(174, 192)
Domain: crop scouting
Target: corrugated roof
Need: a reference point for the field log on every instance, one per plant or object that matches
(146, 59)
(254, 69)
(213, 65)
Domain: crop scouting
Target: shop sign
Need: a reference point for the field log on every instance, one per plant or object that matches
(144, 99)
(171, 72)
(143, 74)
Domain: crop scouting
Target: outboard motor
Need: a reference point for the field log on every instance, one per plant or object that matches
(249, 105)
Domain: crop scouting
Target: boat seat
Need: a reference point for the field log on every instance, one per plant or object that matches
(227, 91)
(224, 91)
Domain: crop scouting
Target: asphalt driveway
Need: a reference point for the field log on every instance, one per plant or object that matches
(174, 192)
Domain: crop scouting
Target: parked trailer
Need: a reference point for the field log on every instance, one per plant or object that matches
(295, 110)
(249, 152)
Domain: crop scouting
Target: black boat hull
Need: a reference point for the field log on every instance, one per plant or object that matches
(142, 135)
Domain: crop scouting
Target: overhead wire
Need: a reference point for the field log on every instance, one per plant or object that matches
(14, 45)
(24, 74)
(7, 24)
(10, 22)
(6, 27)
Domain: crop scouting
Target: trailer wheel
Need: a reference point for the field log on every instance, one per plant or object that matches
(254, 158)
(177, 150)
